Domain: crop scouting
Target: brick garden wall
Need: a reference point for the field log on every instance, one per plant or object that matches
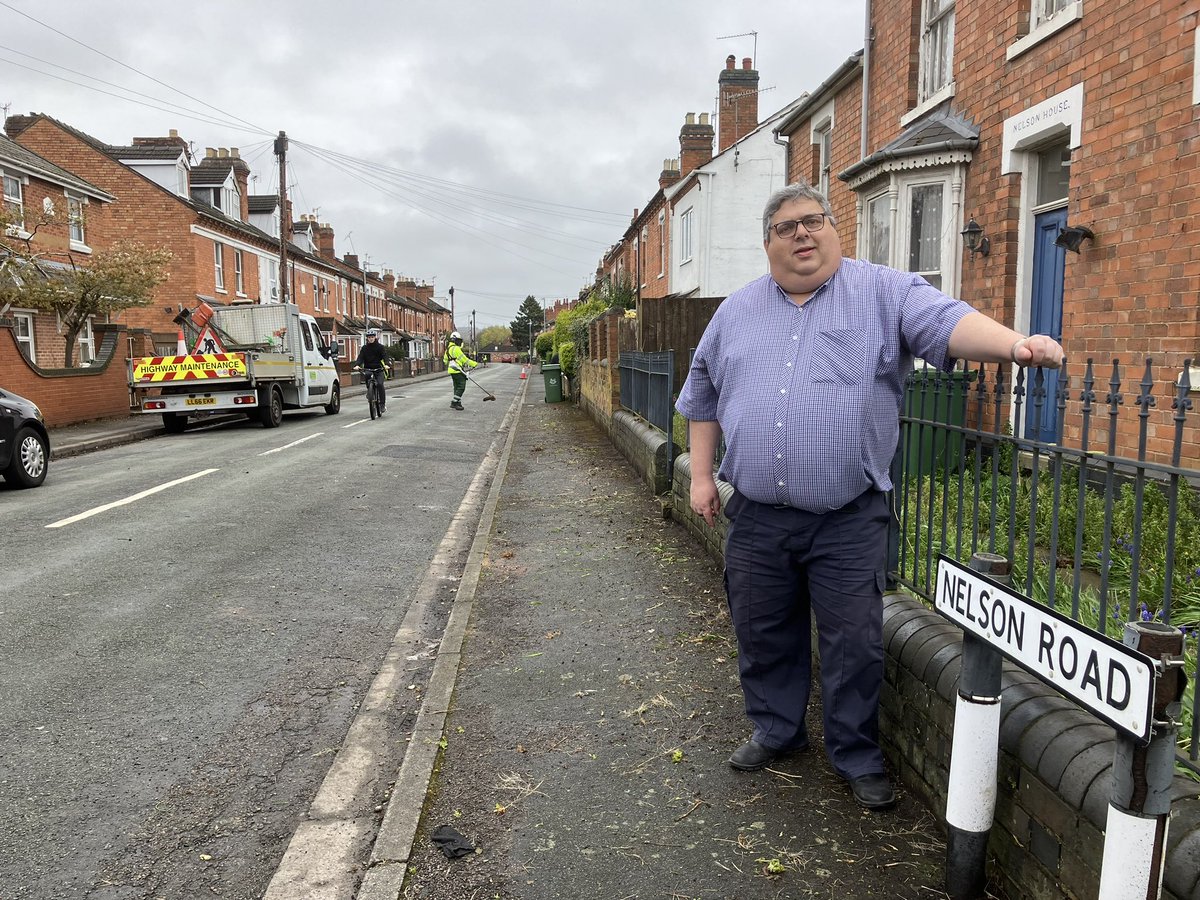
(1047, 841)
(71, 396)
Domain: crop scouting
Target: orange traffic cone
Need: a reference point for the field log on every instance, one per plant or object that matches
(523, 375)
(181, 345)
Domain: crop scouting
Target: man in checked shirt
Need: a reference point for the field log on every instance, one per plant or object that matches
(802, 371)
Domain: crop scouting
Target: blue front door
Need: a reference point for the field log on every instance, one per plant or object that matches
(1045, 317)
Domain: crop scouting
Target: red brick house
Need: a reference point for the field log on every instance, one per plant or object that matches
(1067, 131)
(62, 219)
(201, 213)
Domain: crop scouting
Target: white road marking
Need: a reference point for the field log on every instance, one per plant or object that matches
(127, 500)
(357, 422)
(292, 444)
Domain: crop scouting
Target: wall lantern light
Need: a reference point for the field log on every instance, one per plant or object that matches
(974, 238)
(1072, 236)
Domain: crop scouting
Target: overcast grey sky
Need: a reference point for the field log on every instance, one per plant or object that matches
(497, 147)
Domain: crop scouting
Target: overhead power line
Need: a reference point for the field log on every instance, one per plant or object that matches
(46, 25)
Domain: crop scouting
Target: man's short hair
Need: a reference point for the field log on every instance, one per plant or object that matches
(798, 191)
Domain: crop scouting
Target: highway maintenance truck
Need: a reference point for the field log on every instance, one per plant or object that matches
(256, 358)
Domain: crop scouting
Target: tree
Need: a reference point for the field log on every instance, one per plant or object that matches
(118, 278)
(494, 336)
(529, 321)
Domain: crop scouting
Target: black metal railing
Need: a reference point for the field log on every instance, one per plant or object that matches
(1100, 535)
(648, 388)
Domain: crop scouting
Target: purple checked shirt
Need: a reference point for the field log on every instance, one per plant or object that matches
(808, 397)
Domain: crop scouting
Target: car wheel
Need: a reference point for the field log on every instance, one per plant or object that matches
(31, 455)
(270, 401)
(334, 406)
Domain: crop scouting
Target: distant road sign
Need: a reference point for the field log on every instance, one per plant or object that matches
(1113, 681)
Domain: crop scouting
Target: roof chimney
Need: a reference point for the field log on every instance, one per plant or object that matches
(669, 174)
(737, 107)
(695, 143)
(171, 140)
(14, 125)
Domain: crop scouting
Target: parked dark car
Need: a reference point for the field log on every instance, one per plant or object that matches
(24, 442)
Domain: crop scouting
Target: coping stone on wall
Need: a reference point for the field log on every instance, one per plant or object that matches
(645, 447)
(1033, 714)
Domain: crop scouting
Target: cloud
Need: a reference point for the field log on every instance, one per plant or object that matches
(474, 141)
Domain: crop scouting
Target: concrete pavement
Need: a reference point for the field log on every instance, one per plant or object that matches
(576, 729)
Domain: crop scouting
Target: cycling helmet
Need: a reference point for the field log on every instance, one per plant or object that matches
(373, 332)
(455, 337)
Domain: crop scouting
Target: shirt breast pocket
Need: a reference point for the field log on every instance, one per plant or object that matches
(839, 357)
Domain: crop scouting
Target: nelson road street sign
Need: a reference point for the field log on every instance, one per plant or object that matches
(1113, 681)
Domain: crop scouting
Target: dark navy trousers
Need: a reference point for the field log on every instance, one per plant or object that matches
(785, 567)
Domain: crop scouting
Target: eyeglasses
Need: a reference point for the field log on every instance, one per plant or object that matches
(811, 223)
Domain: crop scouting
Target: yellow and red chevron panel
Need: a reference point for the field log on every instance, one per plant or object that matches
(154, 369)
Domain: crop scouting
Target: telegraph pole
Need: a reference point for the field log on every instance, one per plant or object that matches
(281, 145)
(474, 349)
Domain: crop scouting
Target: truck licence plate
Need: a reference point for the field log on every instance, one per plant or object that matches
(201, 401)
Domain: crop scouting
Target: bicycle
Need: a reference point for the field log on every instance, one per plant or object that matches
(375, 395)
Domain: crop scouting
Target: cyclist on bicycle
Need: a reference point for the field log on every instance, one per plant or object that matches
(371, 358)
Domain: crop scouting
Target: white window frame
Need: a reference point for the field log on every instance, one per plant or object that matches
(27, 341)
(239, 275)
(229, 203)
(1044, 23)
(896, 197)
(86, 343)
(945, 245)
(823, 140)
(76, 222)
(16, 200)
(268, 276)
(685, 235)
(1042, 11)
(219, 266)
(937, 48)
(885, 203)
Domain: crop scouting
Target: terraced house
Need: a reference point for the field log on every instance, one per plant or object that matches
(225, 242)
(58, 218)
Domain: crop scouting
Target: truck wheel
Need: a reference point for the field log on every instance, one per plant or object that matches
(175, 422)
(270, 402)
(27, 468)
(334, 406)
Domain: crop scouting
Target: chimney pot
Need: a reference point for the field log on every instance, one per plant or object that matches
(703, 118)
(730, 60)
(690, 119)
(173, 132)
(209, 153)
(222, 153)
(746, 63)
(233, 151)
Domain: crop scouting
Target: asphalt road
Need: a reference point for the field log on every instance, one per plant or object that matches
(189, 624)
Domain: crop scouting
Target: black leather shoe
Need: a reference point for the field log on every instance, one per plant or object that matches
(752, 756)
(873, 791)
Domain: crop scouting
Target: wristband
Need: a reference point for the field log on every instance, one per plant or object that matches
(1012, 353)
